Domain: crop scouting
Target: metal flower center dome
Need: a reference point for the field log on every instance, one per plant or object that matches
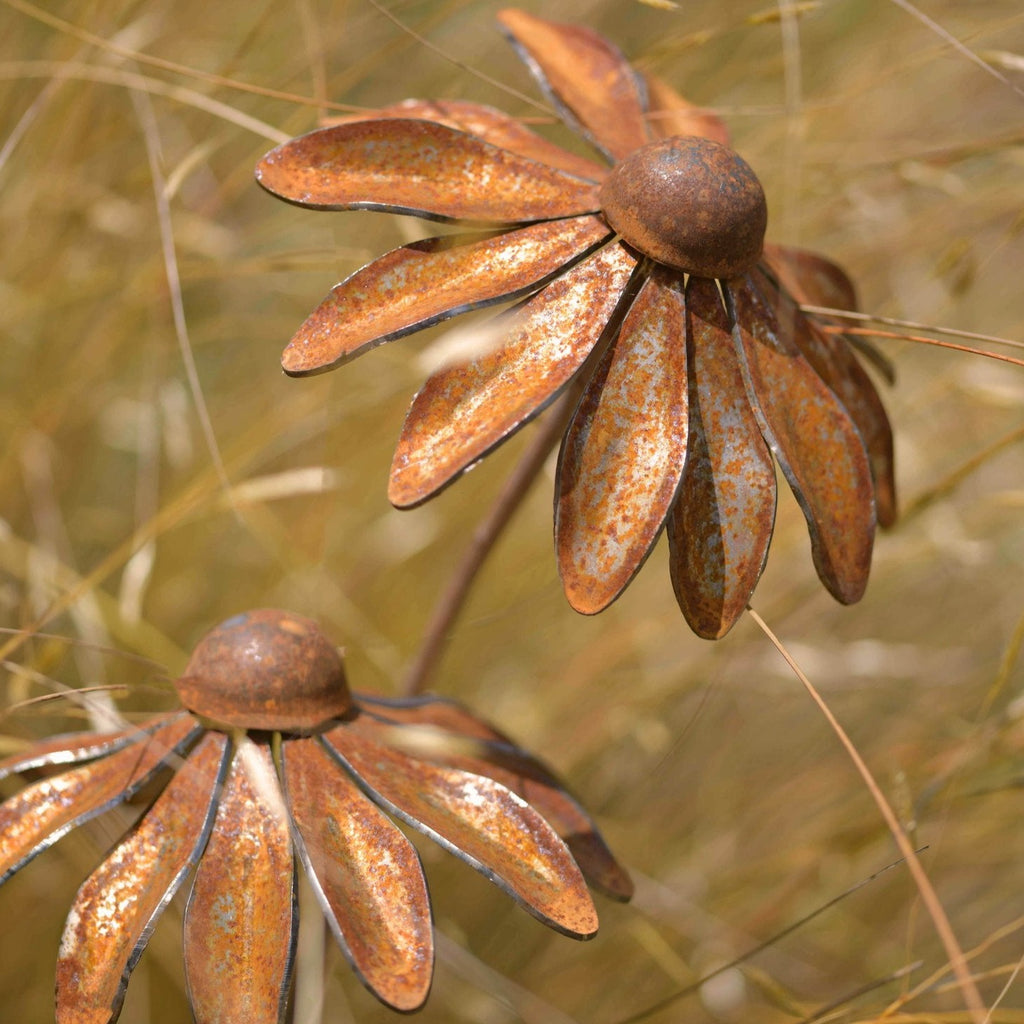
(266, 669)
(690, 203)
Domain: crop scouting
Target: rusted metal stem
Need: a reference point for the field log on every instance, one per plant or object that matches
(435, 637)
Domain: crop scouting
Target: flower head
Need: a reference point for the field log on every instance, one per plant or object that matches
(646, 283)
(273, 762)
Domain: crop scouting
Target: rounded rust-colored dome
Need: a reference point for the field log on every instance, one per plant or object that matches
(690, 203)
(266, 669)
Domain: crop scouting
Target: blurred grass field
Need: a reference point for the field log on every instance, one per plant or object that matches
(714, 777)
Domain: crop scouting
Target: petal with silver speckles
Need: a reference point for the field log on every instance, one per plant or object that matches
(813, 439)
(491, 125)
(480, 821)
(464, 411)
(34, 819)
(622, 456)
(241, 919)
(433, 731)
(425, 282)
(422, 168)
(721, 522)
(366, 874)
(116, 908)
(586, 77)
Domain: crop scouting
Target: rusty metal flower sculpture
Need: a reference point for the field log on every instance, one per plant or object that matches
(648, 286)
(274, 761)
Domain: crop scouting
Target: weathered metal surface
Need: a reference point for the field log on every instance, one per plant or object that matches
(622, 455)
(814, 441)
(265, 669)
(241, 919)
(422, 283)
(689, 203)
(34, 819)
(839, 368)
(670, 114)
(366, 874)
(721, 522)
(420, 167)
(116, 908)
(70, 748)
(463, 411)
(493, 126)
(480, 821)
(432, 731)
(586, 77)
(810, 278)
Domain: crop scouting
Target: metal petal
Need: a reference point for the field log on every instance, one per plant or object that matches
(423, 736)
(492, 126)
(813, 439)
(423, 168)
(366, 874)
(38, 816)
(72, 747)
(670, 114)
(241, 920)
(588, 79)
(721, 523)
(840, 369)
(466, 410)
(481, 822)
(623, 453)
(810, 278)
(116, 908)
(423, 283)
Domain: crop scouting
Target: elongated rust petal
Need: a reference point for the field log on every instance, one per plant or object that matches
(73, 747)
(586, 77)
(240, 923)
(465, 410)
(623, 453)
(423, 168)
(420, 284)
(810, 278)
(670, 114)
(116, 908)
(366, 874)
(721, 523)
(840, 369)
(493, 126)
(813, 439)
(516, 770)
(38, 816)
(481, 822)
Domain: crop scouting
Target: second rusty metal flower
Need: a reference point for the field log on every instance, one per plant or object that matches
(647, 285)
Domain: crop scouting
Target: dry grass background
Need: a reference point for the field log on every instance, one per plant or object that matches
(712, 773)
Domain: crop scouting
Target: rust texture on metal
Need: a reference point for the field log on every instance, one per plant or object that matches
(36, 817)
(420, 167)
(367, 876)
(265, 669)
(721, 521)
(425, 282)
(464, 410)
(689, 203)
(623, 452)
(480, 821)
(117, 906)
(670, 114)
(586, 77)
(813, 439)
(241, 919)
(442, 732)
(70, 748)
(493, 126)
